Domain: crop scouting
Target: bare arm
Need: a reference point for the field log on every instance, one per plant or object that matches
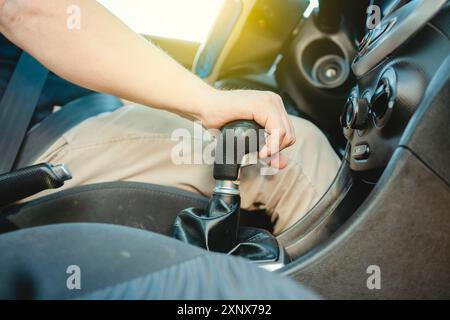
(106, 56)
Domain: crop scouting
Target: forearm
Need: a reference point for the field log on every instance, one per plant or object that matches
(103, 55)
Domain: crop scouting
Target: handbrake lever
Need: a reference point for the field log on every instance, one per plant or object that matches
(26, 182)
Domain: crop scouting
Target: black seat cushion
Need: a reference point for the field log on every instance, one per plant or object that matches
(138, 205)
(125, 263)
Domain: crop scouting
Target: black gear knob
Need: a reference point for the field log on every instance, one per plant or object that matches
(237, 139)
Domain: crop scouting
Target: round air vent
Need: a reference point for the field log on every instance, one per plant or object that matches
(382, 103)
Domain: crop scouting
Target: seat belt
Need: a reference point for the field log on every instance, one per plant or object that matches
(17, 107)
(41, 137)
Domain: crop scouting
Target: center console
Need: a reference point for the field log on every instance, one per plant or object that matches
(392, 78)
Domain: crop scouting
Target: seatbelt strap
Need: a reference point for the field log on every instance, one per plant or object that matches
(17, 107)
(41, 137)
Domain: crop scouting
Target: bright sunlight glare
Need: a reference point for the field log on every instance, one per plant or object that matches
(189, 20)
(313, 4)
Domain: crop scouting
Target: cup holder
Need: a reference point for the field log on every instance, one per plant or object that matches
(324, 64)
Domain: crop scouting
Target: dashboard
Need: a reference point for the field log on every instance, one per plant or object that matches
(395, 63)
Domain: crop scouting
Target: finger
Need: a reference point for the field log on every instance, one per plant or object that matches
(277, 161)
(287, 142)
(276, 132)
(290, 135)
(273, 143)
(293, 134)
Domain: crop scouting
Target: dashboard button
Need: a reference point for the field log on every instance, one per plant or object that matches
(361, 152)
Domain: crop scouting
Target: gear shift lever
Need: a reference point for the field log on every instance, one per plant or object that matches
(217, 227)
(238, 139)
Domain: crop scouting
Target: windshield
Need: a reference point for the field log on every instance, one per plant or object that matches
(189, 20)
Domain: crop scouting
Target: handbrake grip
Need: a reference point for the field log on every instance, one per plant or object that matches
(23, 183)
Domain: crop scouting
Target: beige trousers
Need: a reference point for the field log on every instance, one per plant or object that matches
(134, 144)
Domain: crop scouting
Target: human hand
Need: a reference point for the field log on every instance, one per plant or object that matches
(265, 108)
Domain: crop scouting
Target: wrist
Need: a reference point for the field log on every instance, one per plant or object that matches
(199, 99)
(222, 107)
(209, 100)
